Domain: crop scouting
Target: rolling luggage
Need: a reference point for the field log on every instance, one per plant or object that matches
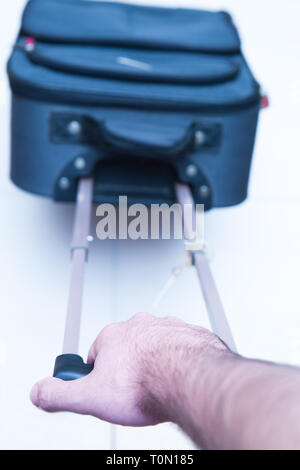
(139, 97)
(110, 99)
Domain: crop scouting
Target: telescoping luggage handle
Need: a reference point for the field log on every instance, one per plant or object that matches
(215, 310)
(69, 365)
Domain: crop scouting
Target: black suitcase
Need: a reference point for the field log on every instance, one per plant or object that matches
(138, 97)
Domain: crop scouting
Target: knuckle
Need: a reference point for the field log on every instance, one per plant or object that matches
(173, 319)
(142, 316)
(108, 331)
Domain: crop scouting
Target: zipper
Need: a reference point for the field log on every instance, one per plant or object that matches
(25, 89)
(132, 44)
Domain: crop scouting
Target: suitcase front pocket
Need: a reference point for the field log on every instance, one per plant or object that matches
(102, 53)
(138, 65)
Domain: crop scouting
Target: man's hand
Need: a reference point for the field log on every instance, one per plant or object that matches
(138, 366)
(149, 370)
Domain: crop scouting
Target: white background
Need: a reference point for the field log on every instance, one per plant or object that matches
(254, 248)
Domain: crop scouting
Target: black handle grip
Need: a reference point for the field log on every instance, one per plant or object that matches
(71, 367)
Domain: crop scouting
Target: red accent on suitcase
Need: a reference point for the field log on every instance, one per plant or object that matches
(265, 102)
(29, 44)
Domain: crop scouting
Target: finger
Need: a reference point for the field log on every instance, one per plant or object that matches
(143, 317)
(111, 331)
(53, 394)
(105, 335)
(92, 353)
(171, 320)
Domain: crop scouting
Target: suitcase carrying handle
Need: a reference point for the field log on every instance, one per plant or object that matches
(147, 139)
(131, 137)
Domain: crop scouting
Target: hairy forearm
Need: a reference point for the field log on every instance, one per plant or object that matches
(224, 401)
(149, 370)
(258, 406)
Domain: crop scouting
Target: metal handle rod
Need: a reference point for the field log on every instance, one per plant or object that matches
(79, 253)
(216, 313)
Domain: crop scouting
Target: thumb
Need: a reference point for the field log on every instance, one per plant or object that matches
(53, 394)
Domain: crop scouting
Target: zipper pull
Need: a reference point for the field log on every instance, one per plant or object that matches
(264, 101)
(29, 44)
